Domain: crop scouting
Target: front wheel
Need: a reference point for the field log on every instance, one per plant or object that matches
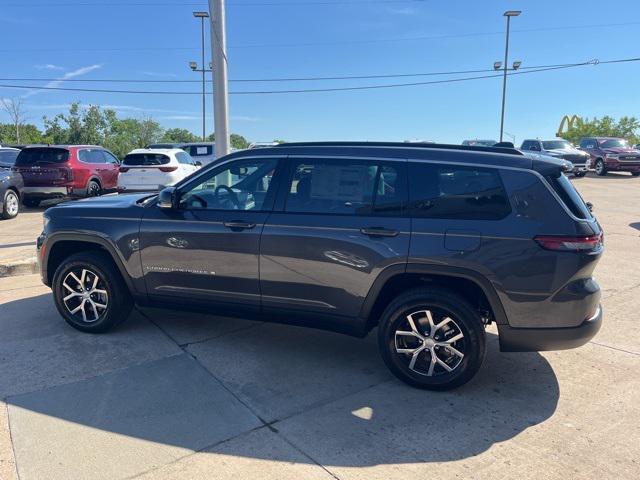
(10, 205)
(600, 168)
(89, 292)
(432, 338)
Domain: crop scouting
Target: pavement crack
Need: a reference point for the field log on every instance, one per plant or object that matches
(616, 348)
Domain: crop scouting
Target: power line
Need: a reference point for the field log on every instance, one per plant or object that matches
(314, 90)
(337, 42)
(282, 79)
(199, 4)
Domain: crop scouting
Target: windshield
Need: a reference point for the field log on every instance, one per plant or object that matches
(40, 156)
(556, 145)
(613, 143)
(8, 157)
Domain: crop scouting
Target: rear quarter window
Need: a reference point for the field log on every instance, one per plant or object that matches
(569, 196)
(8, 157)
(145, 159)
(41, 156)
(456, 192)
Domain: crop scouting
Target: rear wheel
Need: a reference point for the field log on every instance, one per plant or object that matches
(31, 203)
(89, 292)
(432, 338)
(10, 205)
(600, 168)
(93, 189)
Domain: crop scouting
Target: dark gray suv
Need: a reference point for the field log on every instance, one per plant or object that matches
(429, 243)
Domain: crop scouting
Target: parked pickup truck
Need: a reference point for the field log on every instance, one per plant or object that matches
(611, 154)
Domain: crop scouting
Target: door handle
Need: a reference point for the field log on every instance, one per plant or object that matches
(379, 232)
(239, 225)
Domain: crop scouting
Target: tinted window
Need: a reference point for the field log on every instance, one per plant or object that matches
(184, 158)
(91, 156)
(242, 185)
(109, 157)
(613, 143)
(8, 157)
(42, 156)
(525, 145)
(569, 196)
(456, 192)
(587, 143)
(347, 188)
(556, 145)
(145, 159)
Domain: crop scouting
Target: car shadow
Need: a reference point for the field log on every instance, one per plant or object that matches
(612, 176)
(386, 422)
(635, 225)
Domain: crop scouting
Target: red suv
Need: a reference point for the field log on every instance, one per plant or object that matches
(66, 172)
(611, 154)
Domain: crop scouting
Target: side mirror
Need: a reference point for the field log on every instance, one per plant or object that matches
(167, 198)
(590, 206)
(197, 163)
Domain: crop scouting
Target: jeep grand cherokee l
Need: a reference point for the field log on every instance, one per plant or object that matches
(66, 172)
(611, 154)
(428, 243)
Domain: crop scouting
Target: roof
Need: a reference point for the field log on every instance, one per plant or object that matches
(10, 149)
(400, 151)
(155, 150)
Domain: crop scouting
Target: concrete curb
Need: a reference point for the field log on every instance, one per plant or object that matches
(23, 267)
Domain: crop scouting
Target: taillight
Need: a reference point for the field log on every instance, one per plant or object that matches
(570, 244)
(123, 169)
(168, 169)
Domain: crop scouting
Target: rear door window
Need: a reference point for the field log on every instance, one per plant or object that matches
(343, 187)
(145, 159)
(42, 156)
(456, 192)
(184, 158)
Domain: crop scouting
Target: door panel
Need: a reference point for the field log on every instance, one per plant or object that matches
(192, 254)
(206, 248)
(340, 224)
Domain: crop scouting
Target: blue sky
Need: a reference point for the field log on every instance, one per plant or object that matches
(283, 38)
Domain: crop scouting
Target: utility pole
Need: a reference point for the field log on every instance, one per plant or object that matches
(219, 76)
(508, 14)
(202, 16)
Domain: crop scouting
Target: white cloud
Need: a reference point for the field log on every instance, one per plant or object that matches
(159, 74)
(49, 66)
(56, 83)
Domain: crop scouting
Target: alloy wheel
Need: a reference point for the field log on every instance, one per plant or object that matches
(12, 204)
(430, 343)
(599, 167)
(94, 189)
(85, 296)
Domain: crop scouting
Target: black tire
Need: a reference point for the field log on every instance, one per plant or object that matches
(93, 189)
(10, 205)
(31, 203)
(441, 303)
(635, 174)
(600, 168)
(579, 174)
(116, 299)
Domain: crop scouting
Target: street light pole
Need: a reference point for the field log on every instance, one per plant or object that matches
(202, 16)
(220, 87)
(508, 14)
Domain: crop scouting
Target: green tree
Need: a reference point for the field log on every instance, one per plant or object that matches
(626, 127)
(29, 133)
(237, 140)
(179, 135)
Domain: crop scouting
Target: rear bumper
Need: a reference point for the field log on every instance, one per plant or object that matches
(541, 339)
(45, 193)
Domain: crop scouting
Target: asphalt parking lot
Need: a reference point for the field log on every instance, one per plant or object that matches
(173, 395)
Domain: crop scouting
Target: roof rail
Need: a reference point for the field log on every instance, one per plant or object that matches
(441, 146)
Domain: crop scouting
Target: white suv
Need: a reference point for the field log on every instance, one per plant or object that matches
(149, 169)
